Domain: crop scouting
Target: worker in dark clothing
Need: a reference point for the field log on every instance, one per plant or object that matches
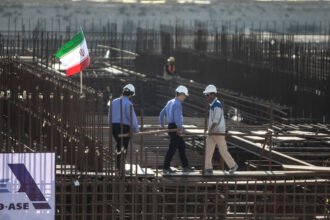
(173, 112)
(169, 69)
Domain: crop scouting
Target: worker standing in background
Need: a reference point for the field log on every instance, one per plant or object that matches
(173, 112)
(121, 120)
(169, 69)
(216, 124)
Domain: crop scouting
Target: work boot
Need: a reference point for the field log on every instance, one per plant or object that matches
(168, 171)
(187, 170)
(233, 169)
(207, 172)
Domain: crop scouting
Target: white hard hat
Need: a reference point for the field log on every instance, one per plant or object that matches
(129, 88)
(210, 89)
(171, 59)
(182, 89)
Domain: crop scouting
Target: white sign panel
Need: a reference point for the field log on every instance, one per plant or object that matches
(27, 186)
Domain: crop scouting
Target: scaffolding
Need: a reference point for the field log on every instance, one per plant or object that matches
(284, 162)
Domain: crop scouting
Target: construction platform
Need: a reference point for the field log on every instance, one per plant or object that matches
(283, 161)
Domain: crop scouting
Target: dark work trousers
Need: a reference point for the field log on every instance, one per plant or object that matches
(176, 142)
(116, 131)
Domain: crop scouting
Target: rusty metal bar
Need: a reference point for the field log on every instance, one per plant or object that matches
(70, 124)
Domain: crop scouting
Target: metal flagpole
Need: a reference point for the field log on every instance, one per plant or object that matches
(81, 82)
(81, 77)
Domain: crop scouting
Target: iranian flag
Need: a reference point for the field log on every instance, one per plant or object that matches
(74, 54)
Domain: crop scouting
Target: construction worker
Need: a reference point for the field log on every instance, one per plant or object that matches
(121, 120)
(169, 69)
(216, 124)
(173, 112)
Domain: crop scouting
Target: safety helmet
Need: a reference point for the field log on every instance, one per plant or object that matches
(129, 88)
(210, 89)
(171, 60)
(182, 89)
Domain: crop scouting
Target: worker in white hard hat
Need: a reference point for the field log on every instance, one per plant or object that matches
(173, 113)
(169, 69)
(216, 124)
(121, 120)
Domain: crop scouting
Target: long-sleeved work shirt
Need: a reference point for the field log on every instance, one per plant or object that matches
(173, 113)
(216, 117)
(116, 115)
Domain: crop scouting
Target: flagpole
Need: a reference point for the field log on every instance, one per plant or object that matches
(81, 82)
(81, 74)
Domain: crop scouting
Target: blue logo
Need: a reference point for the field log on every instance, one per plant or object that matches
(28, 186)
(3, 186)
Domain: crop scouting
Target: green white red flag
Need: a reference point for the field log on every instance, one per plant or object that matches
(74, 54)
